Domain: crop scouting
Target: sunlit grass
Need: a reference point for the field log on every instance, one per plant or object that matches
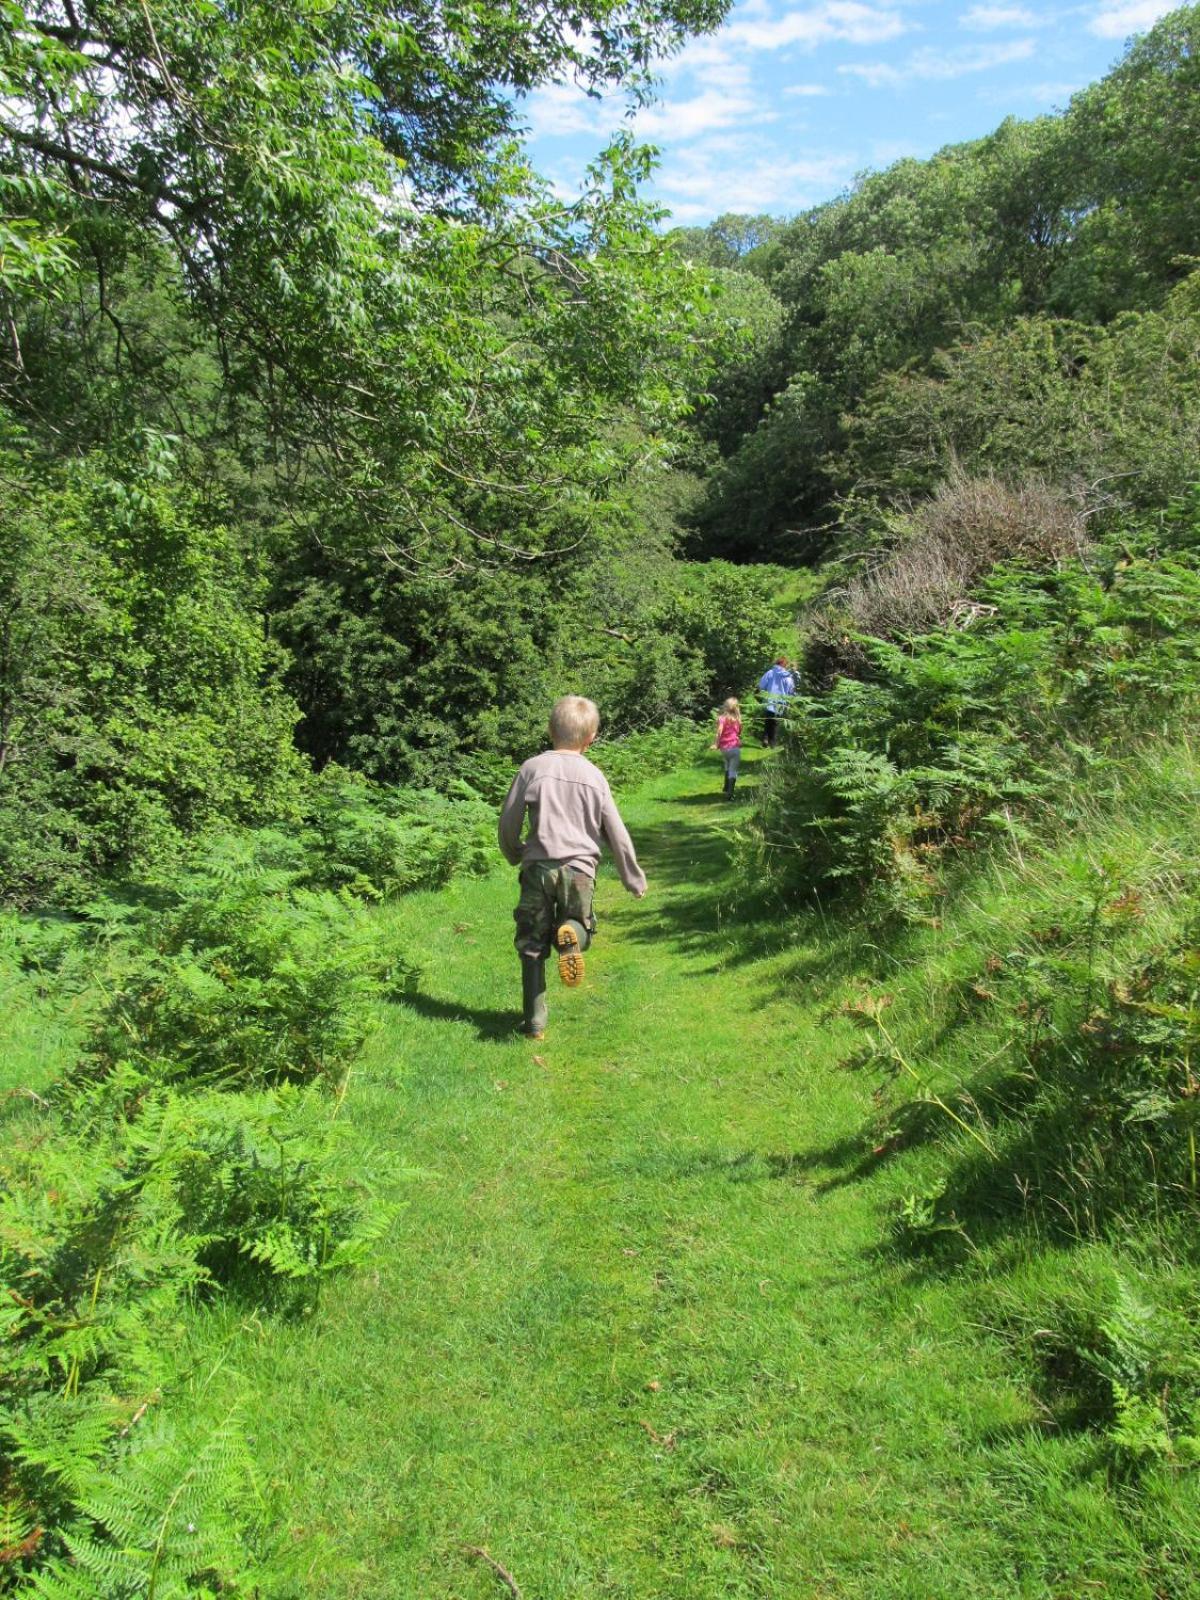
(640, 1332)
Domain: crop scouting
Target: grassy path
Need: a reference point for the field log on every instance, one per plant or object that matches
(635, 1336)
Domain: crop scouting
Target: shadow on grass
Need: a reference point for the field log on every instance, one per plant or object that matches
(712, 908)
(714, 799)
(716, 905)
(669, 1166)
(847, 1154)
(487, 1024)
(753, 1166)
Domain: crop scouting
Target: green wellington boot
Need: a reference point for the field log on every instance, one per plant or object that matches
(533, 994)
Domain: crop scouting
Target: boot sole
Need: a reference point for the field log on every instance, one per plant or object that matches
(570, 957)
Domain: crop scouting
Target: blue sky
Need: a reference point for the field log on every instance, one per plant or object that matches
(787, 102)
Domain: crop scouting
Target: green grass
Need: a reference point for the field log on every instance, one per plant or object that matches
(639, 1332)
(39, 1032)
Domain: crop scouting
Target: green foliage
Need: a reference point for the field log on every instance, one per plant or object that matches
(398, 674)
(727, 242)
(157, 1520)
(1039, 240)
(193, 1148)
(377, 842)
(648, 638)
(953, 737)
(264, 1183)
(760, 499)
(244, 980)
(329, 299)
(267, 145)
(726, 614)
(97, 1264)
(751, 357)
(139, 701)
(1111, 1352)
(1125, 143)
(874, 282)
(1115, 407)
(1044, 1138)
(703, 636)
(1109, 1114)
(438, 375)
(629, 761)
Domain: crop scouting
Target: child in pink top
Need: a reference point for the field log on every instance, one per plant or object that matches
(729, 742)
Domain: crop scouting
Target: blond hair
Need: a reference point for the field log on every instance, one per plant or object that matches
(731, 708)
(574, 722)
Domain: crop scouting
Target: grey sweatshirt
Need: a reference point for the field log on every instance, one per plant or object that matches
(571, 812)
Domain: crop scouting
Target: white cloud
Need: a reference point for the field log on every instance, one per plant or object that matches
(754, 29)
(1117, 19)
(723, 175)
(725, 97)
(560, 108)
(984, 19)
(939, 65)
(710, 61)
(710, 109)
(1052, 94)
(837, 20)
(718, 71)
(714, 58)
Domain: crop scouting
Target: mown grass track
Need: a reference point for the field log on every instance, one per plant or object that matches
(638, 1333)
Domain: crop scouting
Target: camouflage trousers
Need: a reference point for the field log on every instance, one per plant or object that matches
(552, 894)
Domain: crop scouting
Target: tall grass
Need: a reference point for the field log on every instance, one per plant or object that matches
(1052, 1016)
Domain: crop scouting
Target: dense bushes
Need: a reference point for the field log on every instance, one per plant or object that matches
(409, 681)
(398, 674)
(244, 980)
(1113, 1119)
(944, 548)
(682, 647)
(376, 842)
(639, 756)
(946, 738)
(192, 1148)
(139, 701)
(1115, 408)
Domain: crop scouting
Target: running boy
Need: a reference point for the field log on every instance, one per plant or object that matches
(571, 811)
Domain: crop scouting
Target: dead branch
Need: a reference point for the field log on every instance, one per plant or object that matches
(502, 1573)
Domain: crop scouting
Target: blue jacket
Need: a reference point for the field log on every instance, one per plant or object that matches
(778, 685)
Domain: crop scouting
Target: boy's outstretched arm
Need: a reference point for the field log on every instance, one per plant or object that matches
(621, 845)
(512, 819)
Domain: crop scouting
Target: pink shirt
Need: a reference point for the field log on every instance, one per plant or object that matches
(729, 733)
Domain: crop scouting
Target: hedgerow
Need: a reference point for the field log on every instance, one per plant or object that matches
(945, 739)
(1036, 1055)
(192, 1150)
(140, 701)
